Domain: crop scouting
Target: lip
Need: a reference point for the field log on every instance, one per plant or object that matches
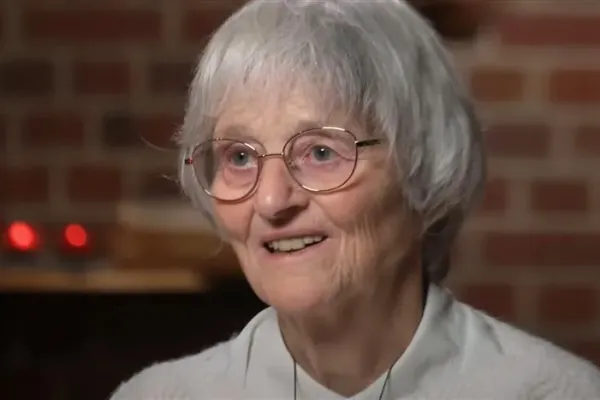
(291, 234)
(300, 256)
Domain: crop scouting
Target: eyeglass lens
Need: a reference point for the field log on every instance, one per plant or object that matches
(318, 159)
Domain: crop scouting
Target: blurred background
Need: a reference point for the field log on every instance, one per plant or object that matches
(105, 269)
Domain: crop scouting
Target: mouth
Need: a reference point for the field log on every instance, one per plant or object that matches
(292, 245)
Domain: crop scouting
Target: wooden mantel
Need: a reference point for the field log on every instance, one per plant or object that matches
(102, 280)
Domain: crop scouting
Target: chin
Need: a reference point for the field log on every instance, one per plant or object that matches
(298, 295)
(294, 283)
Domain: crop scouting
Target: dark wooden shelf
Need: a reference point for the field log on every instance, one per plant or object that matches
(105, 280)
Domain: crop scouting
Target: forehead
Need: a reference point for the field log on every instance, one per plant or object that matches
(254, 110)
(264, 116)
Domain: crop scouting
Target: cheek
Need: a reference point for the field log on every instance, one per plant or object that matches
(352, 215)
(359, 207)
(372, 221)
(234, 220)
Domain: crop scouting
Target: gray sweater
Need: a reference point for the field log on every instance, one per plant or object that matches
(457, 353)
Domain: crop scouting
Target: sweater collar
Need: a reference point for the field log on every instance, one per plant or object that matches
(434, 343)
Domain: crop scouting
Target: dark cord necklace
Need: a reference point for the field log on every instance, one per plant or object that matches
(385, 382)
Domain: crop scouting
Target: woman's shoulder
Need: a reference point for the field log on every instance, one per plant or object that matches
(203, 375)
(503, 350)
(181, 378)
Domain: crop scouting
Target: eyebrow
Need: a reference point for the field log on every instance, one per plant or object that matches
(306, 124)
(241, 132)
(233, 132)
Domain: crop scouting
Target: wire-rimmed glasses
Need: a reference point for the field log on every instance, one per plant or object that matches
(318, 159)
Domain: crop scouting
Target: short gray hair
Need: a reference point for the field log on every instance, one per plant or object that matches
(376, 59)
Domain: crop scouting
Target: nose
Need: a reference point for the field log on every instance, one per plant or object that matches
(278, 198)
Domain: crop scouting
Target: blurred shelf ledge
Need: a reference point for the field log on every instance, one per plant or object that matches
(105, 280)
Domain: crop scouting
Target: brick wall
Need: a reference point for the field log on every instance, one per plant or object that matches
(79, 85)
(532, 254)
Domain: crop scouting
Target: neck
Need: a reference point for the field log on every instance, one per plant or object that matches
(350, 345)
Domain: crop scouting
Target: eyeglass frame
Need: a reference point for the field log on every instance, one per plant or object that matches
(358, 144)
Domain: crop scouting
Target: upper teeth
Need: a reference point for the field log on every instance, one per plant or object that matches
(294, 243)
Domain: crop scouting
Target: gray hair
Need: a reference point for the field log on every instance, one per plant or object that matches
(378, 60)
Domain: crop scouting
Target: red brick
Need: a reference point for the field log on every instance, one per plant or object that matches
(3, 133)
(454, 20)
(587, 141)
(561, 30)
(495, 196)
(91, 26)
(541, 249)
(567, 305)
(26, 77)
(158, 184)
(111, 78)
(574, 86)
(90, 183)
(198, 25)
(126, 130)
(53, 129)
(171, 77)
(495, 299)
(518, 141)
(23, 184)
(559, 195)
(497, 84)
(159, 130)
(120, 130)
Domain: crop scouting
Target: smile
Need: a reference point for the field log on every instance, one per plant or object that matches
(293, 244)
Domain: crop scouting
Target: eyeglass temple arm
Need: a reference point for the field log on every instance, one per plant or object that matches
(368, 142)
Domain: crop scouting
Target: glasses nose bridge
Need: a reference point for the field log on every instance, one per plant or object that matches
(264, 157)
(281, 154)
(270, 155)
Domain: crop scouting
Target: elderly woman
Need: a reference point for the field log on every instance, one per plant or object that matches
(332, 145)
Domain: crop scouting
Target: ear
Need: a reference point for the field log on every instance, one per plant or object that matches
(455, 20)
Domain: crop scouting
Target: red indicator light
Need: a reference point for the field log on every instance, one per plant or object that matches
(22, 237)
(76, 236)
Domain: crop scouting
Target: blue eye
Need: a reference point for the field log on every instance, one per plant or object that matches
(240, 158)
(321, 153)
